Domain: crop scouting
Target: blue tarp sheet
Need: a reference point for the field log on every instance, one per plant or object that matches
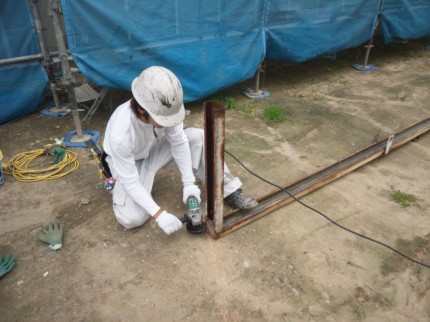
(208, 44)
(16, 25)
(405, 19)
(302, 30)
(23, 85)
(214, 44)
(22, 89)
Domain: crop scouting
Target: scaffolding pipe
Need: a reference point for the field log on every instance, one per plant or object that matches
(256, 92)
(257, 80)
(214, 160)
(21, 59)
(46, 54)
(68, 78)
(369, 46)
(55, 13)
(74, 111)
(35, 57)
(39, 29)
(53, 89)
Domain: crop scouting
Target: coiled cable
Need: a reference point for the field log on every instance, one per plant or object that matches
(21, 169)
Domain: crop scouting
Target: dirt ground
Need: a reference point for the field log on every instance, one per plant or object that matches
(292, 265)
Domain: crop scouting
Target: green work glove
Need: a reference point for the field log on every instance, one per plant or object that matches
(6, 264)
(53, 235)
(58, 153)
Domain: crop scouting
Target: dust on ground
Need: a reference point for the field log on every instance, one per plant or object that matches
(290, 265)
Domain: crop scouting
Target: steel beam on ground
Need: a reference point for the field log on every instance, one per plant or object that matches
(271, 202)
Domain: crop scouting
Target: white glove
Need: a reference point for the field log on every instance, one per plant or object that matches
(191, 190)
(168, 222)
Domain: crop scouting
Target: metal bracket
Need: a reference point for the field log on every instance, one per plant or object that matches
(389, 144)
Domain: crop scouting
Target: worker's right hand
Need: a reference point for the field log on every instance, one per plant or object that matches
(191, 190)
(168, 222)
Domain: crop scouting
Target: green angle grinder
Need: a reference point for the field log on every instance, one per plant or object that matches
(194, 216)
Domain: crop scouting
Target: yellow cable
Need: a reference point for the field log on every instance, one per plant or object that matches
(21, 170)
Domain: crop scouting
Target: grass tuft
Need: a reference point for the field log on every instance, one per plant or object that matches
(274, 113)
(403, 199)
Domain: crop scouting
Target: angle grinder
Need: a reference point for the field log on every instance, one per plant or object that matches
(194, 217)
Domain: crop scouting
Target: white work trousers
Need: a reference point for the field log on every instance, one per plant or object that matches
(127, 211)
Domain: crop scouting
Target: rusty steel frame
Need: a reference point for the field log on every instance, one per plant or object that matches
(214, 161)
(220, 224)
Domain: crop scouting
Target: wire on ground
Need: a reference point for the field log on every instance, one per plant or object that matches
(328, 218)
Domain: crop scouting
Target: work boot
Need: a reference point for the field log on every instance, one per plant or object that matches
(239, 200)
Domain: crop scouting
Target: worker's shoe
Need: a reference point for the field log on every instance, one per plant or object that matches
(239, 200)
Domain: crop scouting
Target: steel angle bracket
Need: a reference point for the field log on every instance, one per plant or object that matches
(389, 144)
(227, 223)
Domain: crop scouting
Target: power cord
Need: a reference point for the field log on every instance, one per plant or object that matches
(326, 217)
(22, 171)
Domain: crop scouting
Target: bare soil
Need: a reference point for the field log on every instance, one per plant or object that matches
(292, 265)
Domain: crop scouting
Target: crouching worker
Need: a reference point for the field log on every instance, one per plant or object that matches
(145, 134)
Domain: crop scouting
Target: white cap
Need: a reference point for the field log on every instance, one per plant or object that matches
(160, 93)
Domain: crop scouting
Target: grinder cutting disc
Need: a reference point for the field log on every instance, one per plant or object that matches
(198, 229)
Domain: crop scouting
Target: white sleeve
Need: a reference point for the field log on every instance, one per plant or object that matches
(127, 174)
(181, 152)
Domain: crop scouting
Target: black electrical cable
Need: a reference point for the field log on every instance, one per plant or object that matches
(326, 217)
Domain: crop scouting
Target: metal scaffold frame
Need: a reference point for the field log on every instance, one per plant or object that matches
(66, 81)
(79, 137)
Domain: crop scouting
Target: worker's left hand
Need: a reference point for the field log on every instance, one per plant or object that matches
(168, 222)
(6, 264)
(191, 190)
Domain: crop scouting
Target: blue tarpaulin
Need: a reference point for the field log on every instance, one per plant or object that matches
(22, 85)
(302, 30)
(405, 19)
(209, 44)
(214, 44)
(22, 89)
(17, 36)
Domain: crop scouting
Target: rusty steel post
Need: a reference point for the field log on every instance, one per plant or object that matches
(214, 158)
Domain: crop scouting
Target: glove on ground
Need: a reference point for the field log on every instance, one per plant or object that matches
(6, 264)
(53, 235)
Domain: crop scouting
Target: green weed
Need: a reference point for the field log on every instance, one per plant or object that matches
(247, 109)
(403, 95)
(229, 103)
(274, 113)
(217, 98)
(342, 80)
(403, 199)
